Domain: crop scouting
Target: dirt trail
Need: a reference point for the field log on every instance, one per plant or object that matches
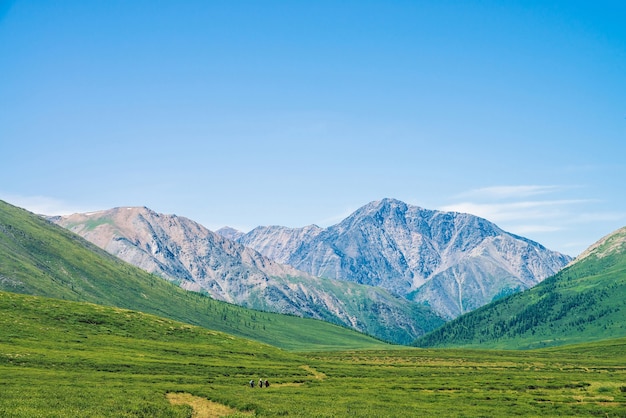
(315, 373)
(202, 407)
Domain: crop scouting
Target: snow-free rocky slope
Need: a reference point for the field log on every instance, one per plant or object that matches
(454, 262)
(581, 303)
(185, 252)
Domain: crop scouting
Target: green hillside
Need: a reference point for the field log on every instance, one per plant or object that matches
(74, 359)
(39, 258)
(584, 302)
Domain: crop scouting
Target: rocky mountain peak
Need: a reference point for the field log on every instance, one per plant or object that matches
(171, 246)
(452, 261)
(378, 212)
(279, 242)
(230, 233)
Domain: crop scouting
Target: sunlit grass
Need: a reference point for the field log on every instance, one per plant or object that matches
(88, 362)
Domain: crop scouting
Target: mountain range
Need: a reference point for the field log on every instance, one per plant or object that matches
(42, 259)
(452, 262)
(582, 302)
(183, 251)
(68, 358)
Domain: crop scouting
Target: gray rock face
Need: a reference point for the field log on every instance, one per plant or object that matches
(453, 262)
(183, 251)
(278, 242)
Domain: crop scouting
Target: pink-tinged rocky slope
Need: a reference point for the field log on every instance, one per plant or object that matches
(181, 250)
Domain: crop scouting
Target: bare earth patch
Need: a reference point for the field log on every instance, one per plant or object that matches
(203, 408)
(316, 374)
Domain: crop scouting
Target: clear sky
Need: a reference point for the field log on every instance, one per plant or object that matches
(247, 113)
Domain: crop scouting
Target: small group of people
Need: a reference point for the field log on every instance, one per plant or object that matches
(261, 383)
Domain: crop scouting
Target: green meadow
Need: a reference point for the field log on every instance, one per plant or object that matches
(68, 359)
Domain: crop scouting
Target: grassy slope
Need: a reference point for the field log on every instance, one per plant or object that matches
(584, 302)
(39, 258)
(363, 303)
(68, 359)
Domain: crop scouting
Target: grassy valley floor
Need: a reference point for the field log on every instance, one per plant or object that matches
(91, 361)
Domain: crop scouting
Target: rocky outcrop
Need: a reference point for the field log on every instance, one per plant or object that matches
(278, 242)
(454, 262)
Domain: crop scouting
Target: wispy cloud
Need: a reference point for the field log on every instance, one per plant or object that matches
(43, 205)
(506, 192)
(519, 210)
(585, 217)
(550, 214)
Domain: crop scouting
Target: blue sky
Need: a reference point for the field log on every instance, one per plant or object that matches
(247, 113)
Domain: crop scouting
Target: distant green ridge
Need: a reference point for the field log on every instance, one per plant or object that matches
(583, 302)
(39, 258)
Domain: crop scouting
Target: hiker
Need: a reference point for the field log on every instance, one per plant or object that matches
(267, 383)
(252, 383)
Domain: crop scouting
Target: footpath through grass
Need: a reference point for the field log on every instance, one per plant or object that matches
(66, 359)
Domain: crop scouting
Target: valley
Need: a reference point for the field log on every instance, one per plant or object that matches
(74, 359)
(312, 209)
(83, 333)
